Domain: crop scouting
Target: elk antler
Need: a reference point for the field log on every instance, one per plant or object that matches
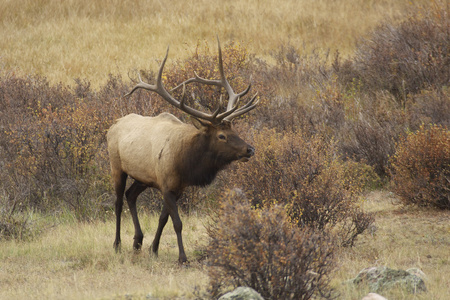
(215, 118)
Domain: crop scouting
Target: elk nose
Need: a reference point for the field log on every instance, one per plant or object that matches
(250, 150)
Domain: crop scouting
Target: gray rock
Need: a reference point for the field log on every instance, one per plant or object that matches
(383, 278)
(373, 296)
(242, 293)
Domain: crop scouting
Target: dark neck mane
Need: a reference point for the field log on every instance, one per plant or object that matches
(198, 164)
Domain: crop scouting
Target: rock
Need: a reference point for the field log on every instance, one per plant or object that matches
(418, 272)
(383, 278)
(242, 293)
(373, 296)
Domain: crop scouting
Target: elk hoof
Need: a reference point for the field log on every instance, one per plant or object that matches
(153, 250)
(184, 263)
(182, 260)
(116, 246)
(137, 246)
(138, 243)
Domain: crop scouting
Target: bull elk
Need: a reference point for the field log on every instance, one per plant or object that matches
(164, 153)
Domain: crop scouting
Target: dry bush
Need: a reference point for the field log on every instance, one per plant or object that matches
(13, 223)
(429, 107)
(262, 249)
(407, 57)
(306, 174)
(421, 167)
(298, 79)
(370, 142)
(53, 144)
(400, 72)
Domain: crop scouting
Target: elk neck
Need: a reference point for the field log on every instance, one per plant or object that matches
(199, 164)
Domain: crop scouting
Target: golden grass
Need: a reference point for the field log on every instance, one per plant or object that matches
(403, 238)
(77, 261)
(63, 40)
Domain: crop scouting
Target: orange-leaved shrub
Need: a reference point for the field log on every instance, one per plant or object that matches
(262, 249)
(306, 174)
(421, 167)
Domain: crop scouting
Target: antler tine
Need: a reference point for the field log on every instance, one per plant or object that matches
(150, 87)
(183, 97)
(140, 85)
(244, 109)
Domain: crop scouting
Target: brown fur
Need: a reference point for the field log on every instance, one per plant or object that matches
(164, 153)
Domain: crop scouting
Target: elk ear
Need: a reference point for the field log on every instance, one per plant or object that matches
(200, 124)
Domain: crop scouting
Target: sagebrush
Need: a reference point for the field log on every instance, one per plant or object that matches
(421, 167)
(262, 249)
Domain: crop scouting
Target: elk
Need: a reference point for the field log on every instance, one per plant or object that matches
(164, 153)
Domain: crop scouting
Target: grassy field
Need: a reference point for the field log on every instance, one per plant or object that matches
(86, 39)
(77, 261)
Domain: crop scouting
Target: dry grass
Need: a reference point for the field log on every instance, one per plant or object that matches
(64, 40)
(402, 238)
(77, 261)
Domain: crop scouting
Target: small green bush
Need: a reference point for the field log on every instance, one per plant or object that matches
(421, 167)
(262, 249)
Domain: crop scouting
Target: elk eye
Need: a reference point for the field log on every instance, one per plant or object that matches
(222, 137)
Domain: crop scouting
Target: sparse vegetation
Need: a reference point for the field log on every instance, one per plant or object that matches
(352, 101)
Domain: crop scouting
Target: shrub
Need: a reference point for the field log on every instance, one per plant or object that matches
(305, 92)
(52, 145)
(421, 167)
(370, 142)
(261, 249)
(407, 57)
(13, 223)
(430, 106)
(305, 174)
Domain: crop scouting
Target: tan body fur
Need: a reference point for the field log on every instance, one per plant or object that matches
(147, 148)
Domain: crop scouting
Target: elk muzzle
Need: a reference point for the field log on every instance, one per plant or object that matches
(250, 153)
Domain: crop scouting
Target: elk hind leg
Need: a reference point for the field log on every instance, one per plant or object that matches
(120, 180)
(132, 193)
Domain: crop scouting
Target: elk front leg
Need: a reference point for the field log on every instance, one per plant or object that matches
(162, 222)
(170, 201)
